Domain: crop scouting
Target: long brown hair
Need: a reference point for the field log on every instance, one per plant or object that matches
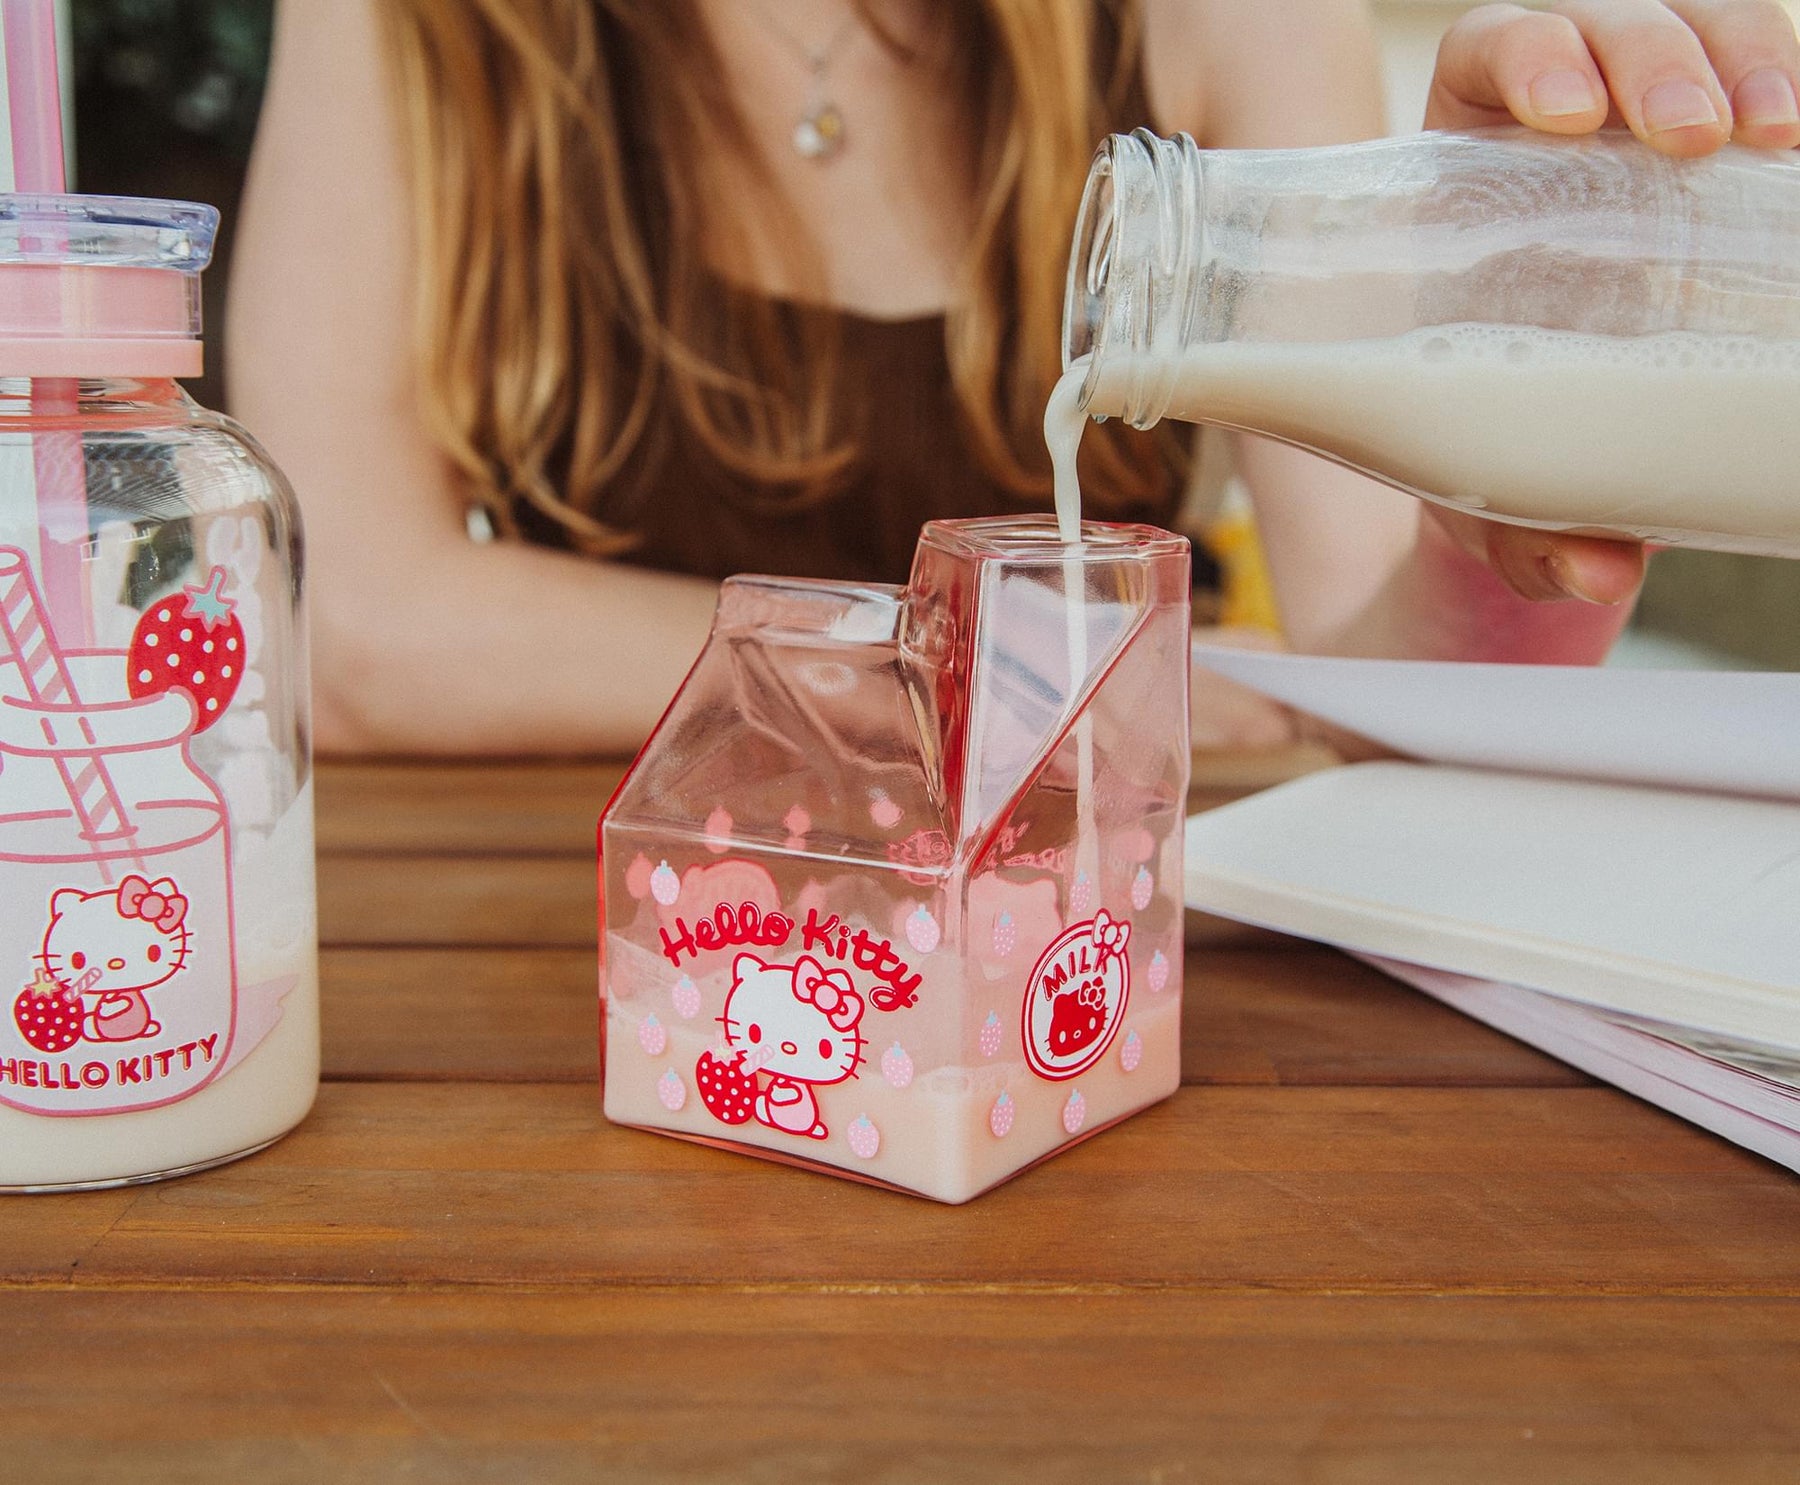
(562, 288)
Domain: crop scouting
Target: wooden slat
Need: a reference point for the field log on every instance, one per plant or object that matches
(1527, 1190)
(1303, 1014)
(884, 1386)
(517, 807)
(480, 1015)
(526, 901)
(1296, 1014)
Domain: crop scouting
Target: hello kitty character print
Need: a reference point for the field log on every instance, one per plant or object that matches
(789, 1029)
(1076, 996)
(110, 947)
(118, 963)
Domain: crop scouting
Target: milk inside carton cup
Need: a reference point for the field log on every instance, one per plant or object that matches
(894, 891)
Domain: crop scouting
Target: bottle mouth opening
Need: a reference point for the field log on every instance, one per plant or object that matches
(1138, 273)
(1038, 539)
(1090, 262)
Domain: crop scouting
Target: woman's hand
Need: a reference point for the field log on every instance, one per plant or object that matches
(1684, 77)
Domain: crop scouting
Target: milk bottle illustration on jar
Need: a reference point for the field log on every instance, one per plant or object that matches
(115, 851)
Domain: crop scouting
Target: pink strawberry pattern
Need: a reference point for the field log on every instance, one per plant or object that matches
(864, 1137)
(1000, 1116)
(1074, 1113)
(1143, 888)
(652, 1036)
(989, 1036)
(1132, 1052)
(897, 1066)
(687, 998)
(671, 1092)
(1159, 971)
(922, 930)
(1006, 935)
(665, 886)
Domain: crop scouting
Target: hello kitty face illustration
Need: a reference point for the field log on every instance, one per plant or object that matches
(129, 938)
(1078, 1017)
(800, 1022)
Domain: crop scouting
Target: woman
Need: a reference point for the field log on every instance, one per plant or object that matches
(672, 284)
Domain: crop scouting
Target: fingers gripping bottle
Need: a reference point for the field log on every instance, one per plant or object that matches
(158, 976)
(1575, 334)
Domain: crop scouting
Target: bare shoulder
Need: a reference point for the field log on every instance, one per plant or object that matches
(1251, 73)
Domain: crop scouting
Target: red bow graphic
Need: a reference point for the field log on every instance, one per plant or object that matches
(831, 990)
(154, 902)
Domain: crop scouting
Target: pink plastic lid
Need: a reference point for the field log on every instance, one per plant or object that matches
(94, 286)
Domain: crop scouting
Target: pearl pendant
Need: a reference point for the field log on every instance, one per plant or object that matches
(820, 133)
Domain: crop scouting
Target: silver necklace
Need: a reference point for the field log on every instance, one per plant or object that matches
(819, 133)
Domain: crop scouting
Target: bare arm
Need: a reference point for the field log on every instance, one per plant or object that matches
(423, 640)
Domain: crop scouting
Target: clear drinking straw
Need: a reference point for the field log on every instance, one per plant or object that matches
(27, 639)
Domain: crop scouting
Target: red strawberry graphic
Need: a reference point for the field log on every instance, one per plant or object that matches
(48, 1016)
(193, 644)
(725, 1088)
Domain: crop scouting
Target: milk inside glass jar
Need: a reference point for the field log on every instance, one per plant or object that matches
(158, 942)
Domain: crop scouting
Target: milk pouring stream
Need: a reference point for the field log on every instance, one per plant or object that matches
(1572, 334)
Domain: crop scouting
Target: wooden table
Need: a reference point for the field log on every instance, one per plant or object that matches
(1368, 1241)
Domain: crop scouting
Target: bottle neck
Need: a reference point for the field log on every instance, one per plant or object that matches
(1140, 272)
(92, 399)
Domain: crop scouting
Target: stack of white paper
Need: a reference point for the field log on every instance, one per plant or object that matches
(1605, 864)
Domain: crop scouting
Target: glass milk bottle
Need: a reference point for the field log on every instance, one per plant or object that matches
(894, 890)
(158, 961)
(1578, 334)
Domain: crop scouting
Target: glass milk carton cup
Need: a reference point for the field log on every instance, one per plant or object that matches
(158, 963)
(894, 891)
(1575, 334)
